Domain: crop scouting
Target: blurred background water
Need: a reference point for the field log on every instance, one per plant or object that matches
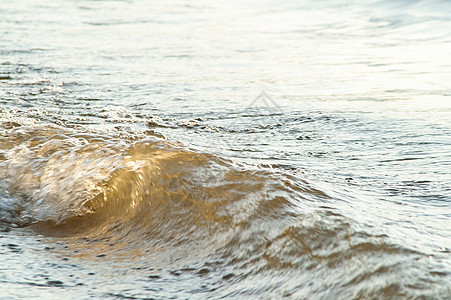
(227, 149)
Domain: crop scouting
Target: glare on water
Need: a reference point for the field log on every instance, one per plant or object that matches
(228, 149)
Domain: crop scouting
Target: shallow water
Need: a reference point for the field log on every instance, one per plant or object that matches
(225, 150)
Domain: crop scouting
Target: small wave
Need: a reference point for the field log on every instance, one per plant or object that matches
(57, 175)
(171, 208)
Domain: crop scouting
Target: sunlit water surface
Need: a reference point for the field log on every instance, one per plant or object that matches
(225, 149)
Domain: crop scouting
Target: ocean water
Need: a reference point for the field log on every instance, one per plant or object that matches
(225, 150)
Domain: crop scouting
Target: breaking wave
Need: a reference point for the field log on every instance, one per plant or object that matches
(151, 199)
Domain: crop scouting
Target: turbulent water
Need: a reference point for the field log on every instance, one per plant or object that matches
(225, 149)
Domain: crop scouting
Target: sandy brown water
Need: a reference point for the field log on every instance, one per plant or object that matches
(237, 150)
